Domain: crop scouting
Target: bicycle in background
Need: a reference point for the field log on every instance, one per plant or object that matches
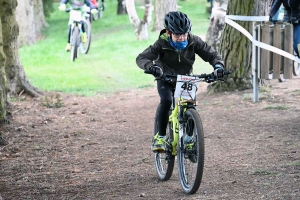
(184, 135)
(101, 7)
(79, 24)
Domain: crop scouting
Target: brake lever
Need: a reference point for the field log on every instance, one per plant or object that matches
(211, 78)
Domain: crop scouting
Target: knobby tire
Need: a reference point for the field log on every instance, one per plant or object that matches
(164, 162)
(74, 43)
(191, 172)
(95, 17)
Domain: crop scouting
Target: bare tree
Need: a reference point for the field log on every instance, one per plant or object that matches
(236, 49)
(31, 19)
(3, 82)
(217, 23)
(140, 25)
(161, 8)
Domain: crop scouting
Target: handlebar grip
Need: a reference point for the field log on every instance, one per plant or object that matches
(227, 72)
(68, 9)
(148, 72)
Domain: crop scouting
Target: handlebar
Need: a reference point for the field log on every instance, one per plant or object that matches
(208, 78)
(69, 9)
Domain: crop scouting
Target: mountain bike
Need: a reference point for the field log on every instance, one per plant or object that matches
(184, 122)
(78, 24)
(101, 8)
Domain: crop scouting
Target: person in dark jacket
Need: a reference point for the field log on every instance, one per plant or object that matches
(174, 53)
(291, 15)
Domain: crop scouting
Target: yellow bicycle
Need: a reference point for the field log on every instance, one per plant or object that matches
(184, 123)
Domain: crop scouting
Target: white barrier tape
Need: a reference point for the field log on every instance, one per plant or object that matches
(228, 20)
(248, 18)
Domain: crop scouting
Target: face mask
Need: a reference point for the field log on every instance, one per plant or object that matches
(178, 45)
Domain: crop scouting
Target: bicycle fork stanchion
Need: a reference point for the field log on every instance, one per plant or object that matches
(174, 119)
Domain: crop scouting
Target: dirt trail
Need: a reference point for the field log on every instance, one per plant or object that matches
(99, 147)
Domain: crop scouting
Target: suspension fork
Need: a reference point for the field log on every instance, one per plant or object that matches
(177, 118)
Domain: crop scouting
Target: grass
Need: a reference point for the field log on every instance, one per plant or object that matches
(262, 172)
(296, 163)
(110, 64)
(247, 96)
(295, 92)
(277, 107)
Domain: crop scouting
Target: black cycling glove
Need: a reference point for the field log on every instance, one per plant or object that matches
(219, 71)
(156, 71)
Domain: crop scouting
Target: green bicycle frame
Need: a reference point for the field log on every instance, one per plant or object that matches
(174, 118)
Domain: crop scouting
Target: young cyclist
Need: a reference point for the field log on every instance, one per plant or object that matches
(77, 5)
(95, 3)
(174, 53)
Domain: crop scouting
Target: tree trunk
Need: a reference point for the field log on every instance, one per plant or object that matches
(161, 8)
(39, 17)
(16, 78)
(3, 81)
(121, 7)
(236, 49)
(140, 26)
(31, 19)
(217, 23)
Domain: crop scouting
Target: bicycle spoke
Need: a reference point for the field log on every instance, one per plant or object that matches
(191, 160)
(164, 162)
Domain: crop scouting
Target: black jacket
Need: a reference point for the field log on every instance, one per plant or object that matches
(291, 10)
(173, 61)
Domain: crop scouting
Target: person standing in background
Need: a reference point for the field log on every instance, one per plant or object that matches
(291, 15)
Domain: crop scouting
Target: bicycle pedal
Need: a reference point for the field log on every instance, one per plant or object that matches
(159, 151)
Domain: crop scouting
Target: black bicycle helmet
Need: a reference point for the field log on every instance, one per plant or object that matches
(177, 22)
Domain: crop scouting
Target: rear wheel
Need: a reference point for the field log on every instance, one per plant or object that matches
(191, 161)
(164, 162)
(74, 43)
(85, 46)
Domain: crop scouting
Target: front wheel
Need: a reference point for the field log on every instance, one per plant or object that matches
(95, 17)
(74, 43)
(191, 159)
(164, 162)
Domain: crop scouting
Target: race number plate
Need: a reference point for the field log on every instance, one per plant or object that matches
(186, 87)
(75, 15)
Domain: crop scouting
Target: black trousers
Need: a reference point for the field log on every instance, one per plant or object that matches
(165, 92)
